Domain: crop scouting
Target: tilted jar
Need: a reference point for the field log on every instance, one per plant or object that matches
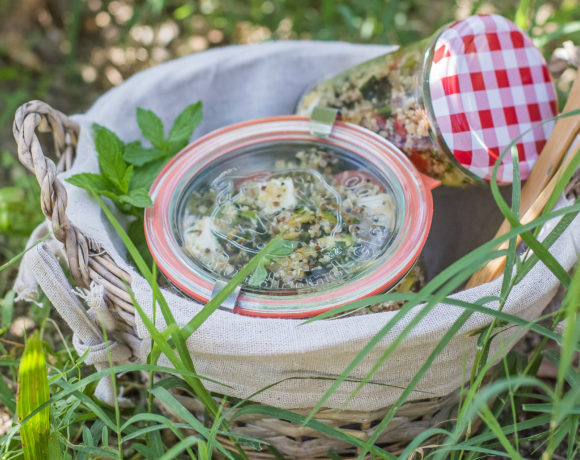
(452, 102)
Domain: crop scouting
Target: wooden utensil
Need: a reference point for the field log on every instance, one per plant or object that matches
(541, 181)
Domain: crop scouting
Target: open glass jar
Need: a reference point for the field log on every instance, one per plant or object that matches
(351, 209)
(452, 102)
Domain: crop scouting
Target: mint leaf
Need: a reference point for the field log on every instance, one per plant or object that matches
(127, 179)
(144, 176)
(111, 161)
(89, 181)
(138, 155)
(128, 171)
(282, 248)
(94, 182)
(96, 128)
(183, 127)
(138, 198)
(151, 128)
(259, 275)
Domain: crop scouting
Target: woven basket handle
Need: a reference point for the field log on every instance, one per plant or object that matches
(84, 263)
(37, 115)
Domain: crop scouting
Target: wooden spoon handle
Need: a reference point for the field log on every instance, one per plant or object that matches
(548, 162)
(558, 144)
(495, 267)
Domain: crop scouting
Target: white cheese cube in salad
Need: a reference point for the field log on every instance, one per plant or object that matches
(276, 194)
(379, 206)
(200, 242)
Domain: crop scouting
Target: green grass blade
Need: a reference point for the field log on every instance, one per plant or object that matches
(155, 443)
(573, 436)
(177, 336)
(182, 445)
(481, 399)
(554, 357)
(522, 14)
(533, 259)
(563, 405)
(19, 256)
(153, 431)
(7, 310)
(32, 394)
(221, 296)
(165, 424)
(548, 408)
(169, 400)
(490, 420)
(563, 182)
(156, 429)
(511, 253)
(7, 396)
(563, 29)
(174, 405)
(99, 411)
(420, 439)
(414, 382)
(529, 424)
(203, 451)
(512, 403)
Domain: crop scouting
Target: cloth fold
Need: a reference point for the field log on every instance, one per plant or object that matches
(42, 269)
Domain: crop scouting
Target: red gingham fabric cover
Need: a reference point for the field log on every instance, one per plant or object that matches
(488, 85)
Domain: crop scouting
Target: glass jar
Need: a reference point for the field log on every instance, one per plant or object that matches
(452, 102)
(352, 211)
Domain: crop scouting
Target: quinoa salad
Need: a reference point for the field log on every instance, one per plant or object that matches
(336, 222)
(383, 95)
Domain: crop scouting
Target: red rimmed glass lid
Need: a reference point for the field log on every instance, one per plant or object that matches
(353, 213)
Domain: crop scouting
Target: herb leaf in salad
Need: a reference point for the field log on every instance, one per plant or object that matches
(280, 248)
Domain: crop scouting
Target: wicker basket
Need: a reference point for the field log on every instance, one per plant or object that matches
(87, 265)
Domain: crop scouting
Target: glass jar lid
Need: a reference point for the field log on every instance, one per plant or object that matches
(352, 212)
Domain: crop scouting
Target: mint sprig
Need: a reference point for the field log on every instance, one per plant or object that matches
(128, 170)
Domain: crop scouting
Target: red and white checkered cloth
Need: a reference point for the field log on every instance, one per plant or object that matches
(489, 85)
